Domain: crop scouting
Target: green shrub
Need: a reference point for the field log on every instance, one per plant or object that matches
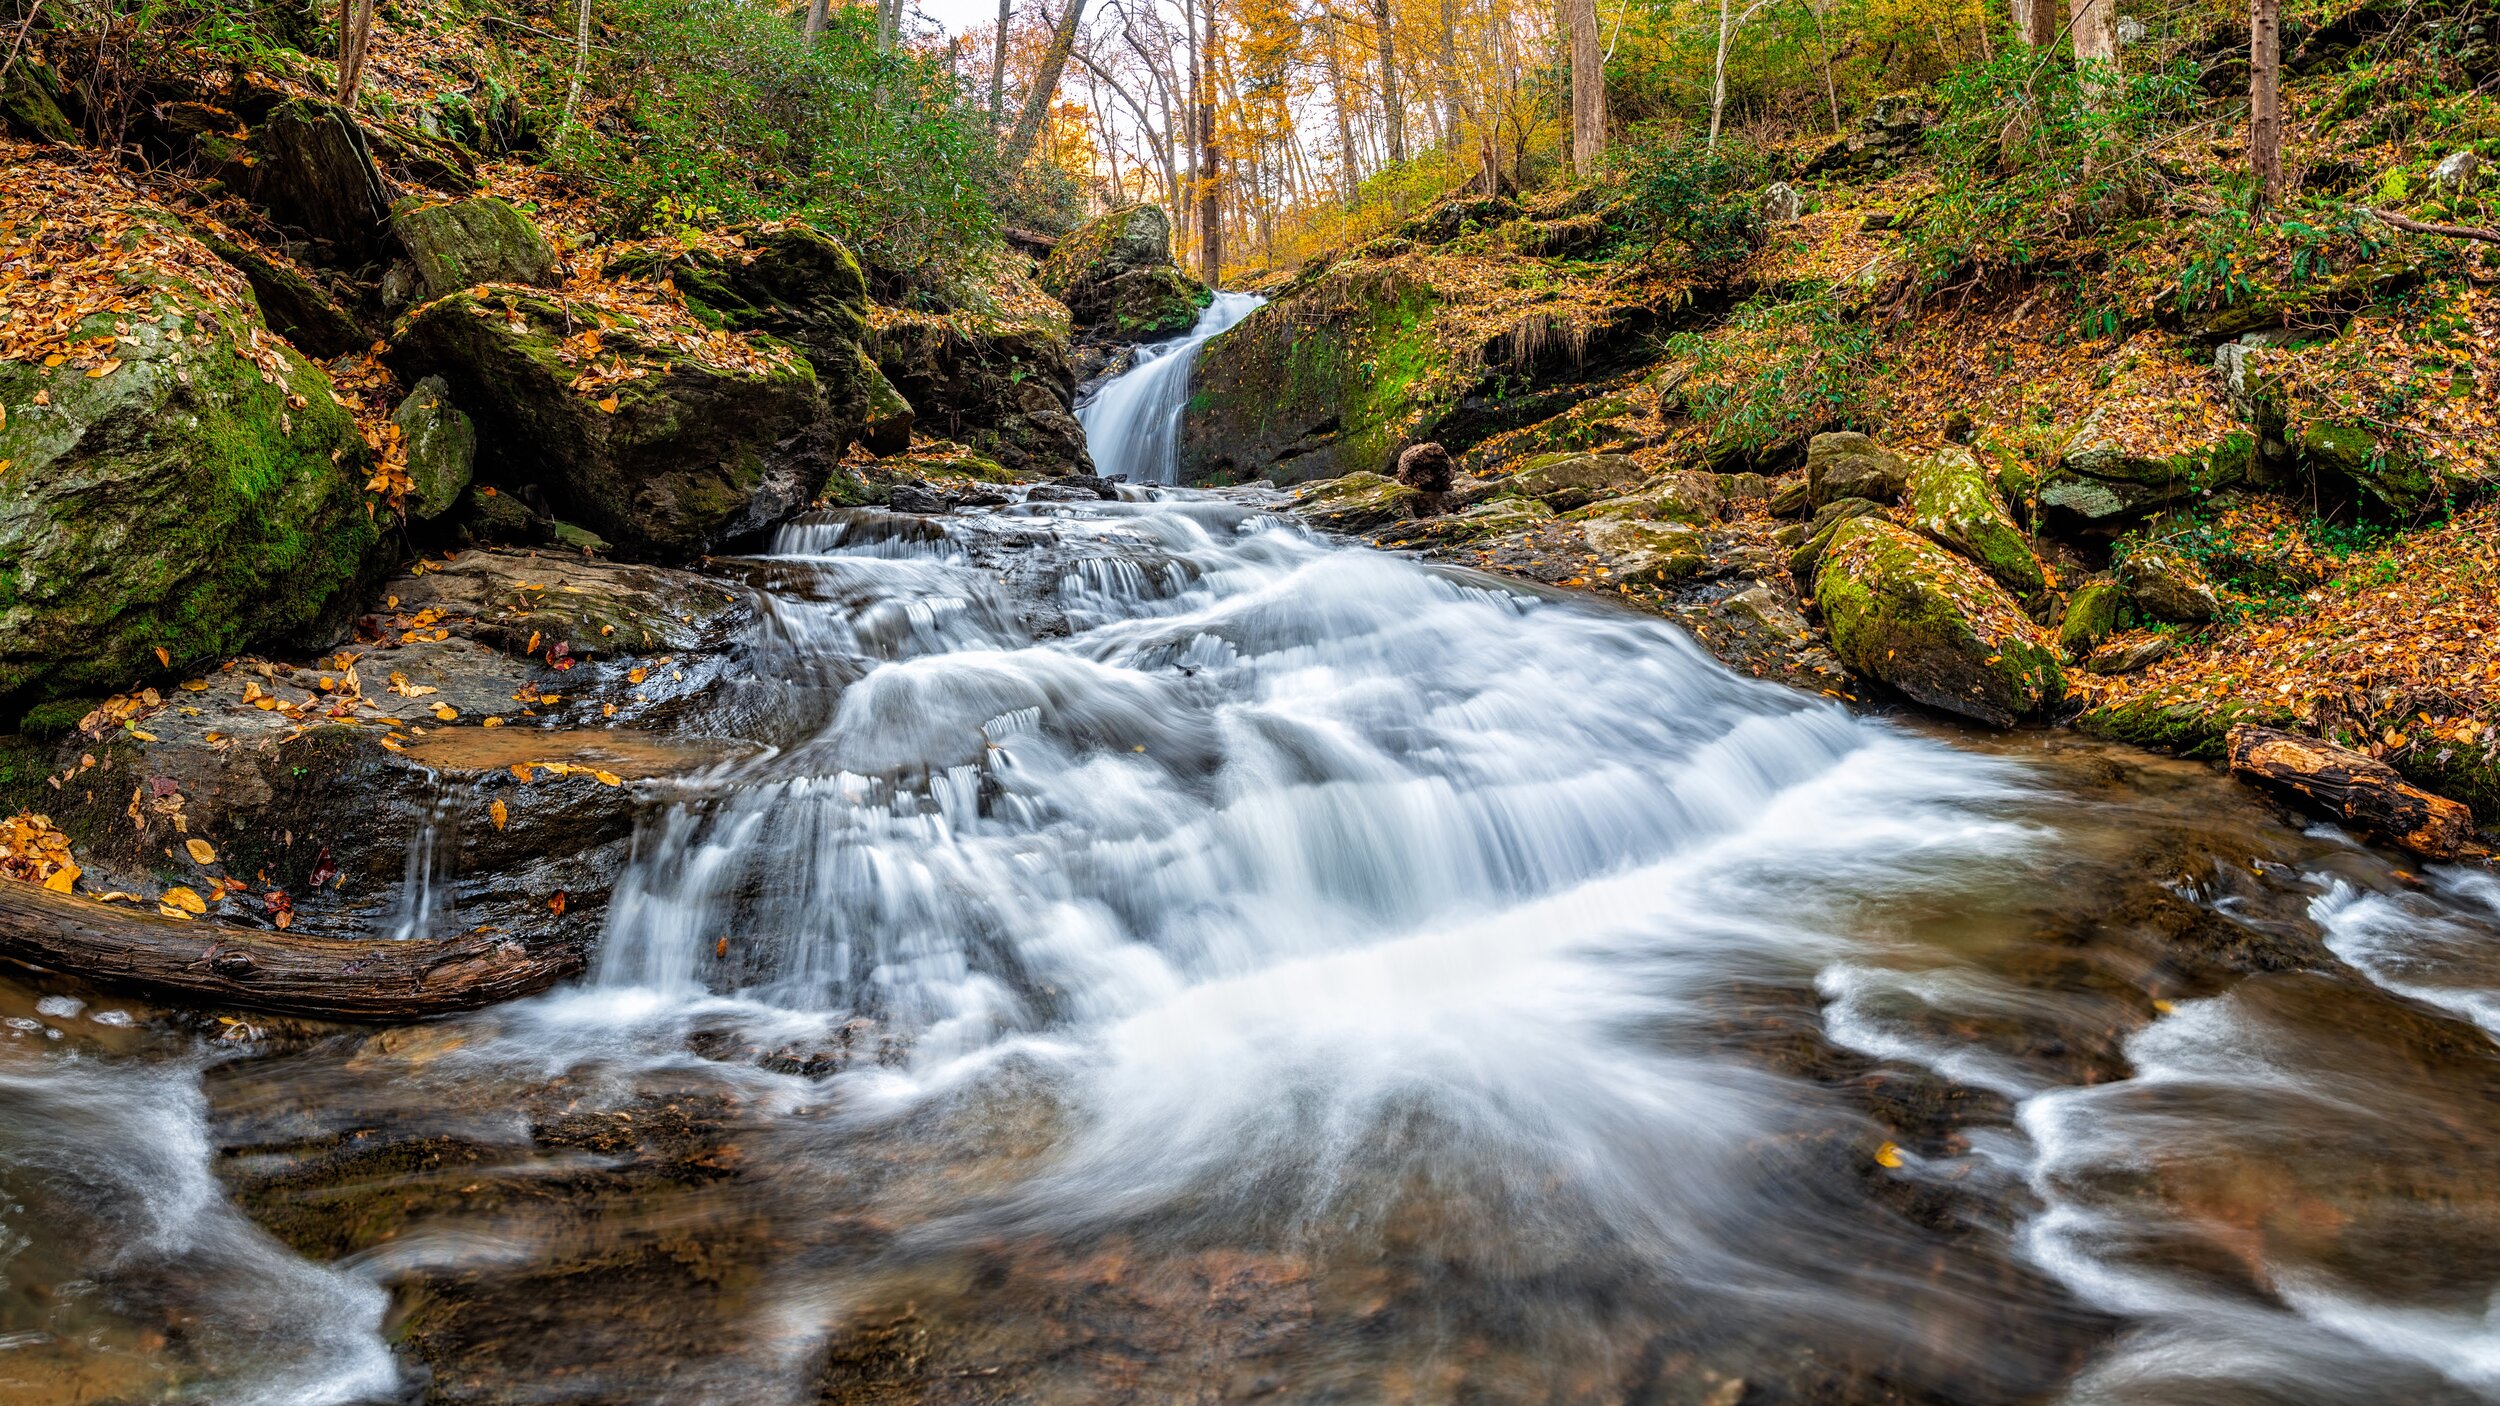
(1703, 205)
(1776, 372)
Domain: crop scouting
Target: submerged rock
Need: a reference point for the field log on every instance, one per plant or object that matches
(1932, 625)
(667, 473)
(204, 495)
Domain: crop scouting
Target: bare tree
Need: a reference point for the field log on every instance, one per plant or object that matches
(1211, 161)
(355, 37)
(1718, 69)
(1019, 148)
(1588, 86)
(998, 59)
(1392, 107)
(2265, 100)
(2095, 29)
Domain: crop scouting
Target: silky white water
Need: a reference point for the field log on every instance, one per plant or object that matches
(1132, 423)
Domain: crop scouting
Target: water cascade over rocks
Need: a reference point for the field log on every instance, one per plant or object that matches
(1160, 954)
(1132, 423)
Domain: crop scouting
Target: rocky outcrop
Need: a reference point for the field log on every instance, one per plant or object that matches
(2168, 586)
(1117, 276)
(198, 493)
(2120, 466)
(1846, 464)
(294, 305)
(1566, 481)
(664, 464)
(441, 445)
(1932, 626)
(458, 244)
(312, 169)
(997, 378)
(1328, 379)
(1952, 506)
(1637, 552)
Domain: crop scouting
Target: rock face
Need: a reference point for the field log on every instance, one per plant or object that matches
(460, 243)
(1952, 506)
(1639, 553)
(295, 307)
(1932, 626)
(1318, 383)
(2168, 586)
(2111, 475)
(997, 379)
(1117, 276)
(673, 468)
(1845, 464)
(1566, 481)
(442, 448)
(204, 495)
(2387, 480)
(312, 169)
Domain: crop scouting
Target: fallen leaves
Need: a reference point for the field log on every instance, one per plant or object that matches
(33, 851)
(201, 851)
(181, 903)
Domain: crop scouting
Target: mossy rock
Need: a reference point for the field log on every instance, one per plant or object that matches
(1932, 626)
(1815, 537)
(2093, 614)
(1355, 502)
(676, 466)
(1952, 506)
(187, 501)
(1117, 276)
(2168, 586)
(1334, 377)
(30, 104)
(1845, 464)
(2386, 478)
(2109, 476)
(312, 168)
(294, 306)
(1639, 553)
(1566, 481)
(442, 448)
(996, 376)
(458, 244)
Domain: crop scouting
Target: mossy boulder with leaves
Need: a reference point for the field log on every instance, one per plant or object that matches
(1355, 503)
(1336, 376)
(664, 464)
(2382, 474)
(1952, 506)
(457, 244)
(199, 492)
(2095, 612)
(1845, 464)
(1637, 552)
(2129, 459)
(1118, 278)
(1932, 626)
(993, 373)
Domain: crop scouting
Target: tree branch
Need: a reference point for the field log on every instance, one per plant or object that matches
(2444, 231)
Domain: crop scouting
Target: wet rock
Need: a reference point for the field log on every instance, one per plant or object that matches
(2127, 656)
(457, 244)
(1952, 506)
(1641, 553)
(1322, 381)
(312, 169)
(1565, 481)
(2167, 586)
(1932, 626)
(669, 473)
(2093, 614)
(205, 496)
(1845, 464)
(1494, 517)
(910, 497)
(1118, 278)
(1354, 502)
(442, 448)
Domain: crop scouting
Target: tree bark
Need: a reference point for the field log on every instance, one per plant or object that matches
(2036, 21)
(1588, 87)
(1350, 168)
(1718, 70)
(2265, 101)
(355, 38)
(998, 60)
(1210, 162)
(1392, 106)
(2095, 30)
(323, 978)
(1028, 131)
(2354, 788)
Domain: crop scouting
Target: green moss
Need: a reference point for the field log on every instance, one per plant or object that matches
(1930, 625)
(1950, 504)
(2091, 617)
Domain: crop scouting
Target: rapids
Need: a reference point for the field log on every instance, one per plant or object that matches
(1151, 953)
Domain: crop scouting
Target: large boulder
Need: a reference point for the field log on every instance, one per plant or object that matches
(2150, 446)
(2167, 585)
(1952, 506)
(1355, 502)
(1334, 377)
(195, 491)
(457, 244)
(664, 464)
(441, 445)
(2384, 475)
(2094, 613)
(1566, 481)
(311, 167)
(1932, 625)
(804, 286)
(1640, 553)
(295, 306)
(1118, 278)
(996, 377)
(1846, 464)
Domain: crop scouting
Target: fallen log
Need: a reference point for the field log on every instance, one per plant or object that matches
(323, 978)
(2364, 791)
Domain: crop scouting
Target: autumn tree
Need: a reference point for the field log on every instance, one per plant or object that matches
(1588, 86)
(1045, 88)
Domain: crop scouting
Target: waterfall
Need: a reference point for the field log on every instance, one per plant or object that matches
(1132, 424)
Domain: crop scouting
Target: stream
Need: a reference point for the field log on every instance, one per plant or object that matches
(1161, 955)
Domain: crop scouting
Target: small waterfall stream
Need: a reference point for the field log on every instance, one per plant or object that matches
(1159, 954)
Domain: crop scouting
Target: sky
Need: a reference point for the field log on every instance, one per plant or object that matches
(957, 16)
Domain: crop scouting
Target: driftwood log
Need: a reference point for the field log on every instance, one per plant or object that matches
(2366, 792)
(324, 978)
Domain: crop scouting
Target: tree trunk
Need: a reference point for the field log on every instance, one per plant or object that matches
(998, 61)
(323, 978)
(2265, 101)
(1349, 172)
(2354, 788)
(1718, 69)
(1210, 162)
(2036, 22)
(815, 25)
(2095, 31)
(1588, 88)
(1392, 107)
(1037, 103)
(355, 37)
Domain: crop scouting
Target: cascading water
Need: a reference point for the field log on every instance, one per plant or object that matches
(1132, 424)
(1160, 955)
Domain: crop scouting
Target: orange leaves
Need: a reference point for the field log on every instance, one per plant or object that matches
(32, 851)
(499, 813)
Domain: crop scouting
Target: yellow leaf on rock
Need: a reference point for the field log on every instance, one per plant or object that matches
(492, 722)
(608, 405)
(607, 778)
(184, 899)
(60, 880)
(1888, 1155)
(201, 851)
(162, 658)
(445, 711)
(498, 813)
